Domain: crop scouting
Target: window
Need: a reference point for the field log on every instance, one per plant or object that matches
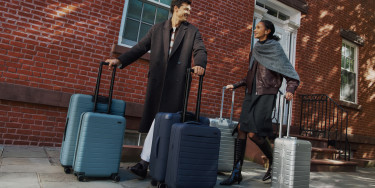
(273, 12)
(348, 87)
(139, 16)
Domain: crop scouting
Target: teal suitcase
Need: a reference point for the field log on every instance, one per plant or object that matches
(80, 103)
(99, 141)
(99, 146)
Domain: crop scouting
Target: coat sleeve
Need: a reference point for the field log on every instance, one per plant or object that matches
(291, 84)
(136, 51)
(240, 83)
(199, 51)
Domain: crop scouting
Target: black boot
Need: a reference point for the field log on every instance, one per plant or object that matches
(140, 169)
(267, 150)
(239, 152)
(268, 174)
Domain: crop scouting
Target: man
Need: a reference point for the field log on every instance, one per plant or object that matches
(172, 44)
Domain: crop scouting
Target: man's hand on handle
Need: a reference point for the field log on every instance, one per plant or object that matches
(198, 70)
(289, 96)
(112, 62)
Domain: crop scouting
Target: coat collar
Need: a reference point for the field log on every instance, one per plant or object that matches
(178, 38)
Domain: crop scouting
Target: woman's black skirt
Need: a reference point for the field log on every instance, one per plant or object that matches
(256, 114)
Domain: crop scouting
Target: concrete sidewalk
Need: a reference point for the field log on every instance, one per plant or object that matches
(39, 167)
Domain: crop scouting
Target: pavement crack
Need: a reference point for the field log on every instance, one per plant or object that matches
(39, 180)
(49, 157)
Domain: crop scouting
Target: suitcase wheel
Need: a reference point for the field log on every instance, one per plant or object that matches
(115, 177)
(67, 170)
(80, 177)
(162, 185)
(154, 183)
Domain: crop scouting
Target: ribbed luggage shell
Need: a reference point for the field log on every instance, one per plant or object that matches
(80, 103)
(99, 145)
(193, 156)
(226, 154)
(160, 142)
(291, 163)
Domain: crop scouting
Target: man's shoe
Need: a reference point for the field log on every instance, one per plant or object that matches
(138, 170)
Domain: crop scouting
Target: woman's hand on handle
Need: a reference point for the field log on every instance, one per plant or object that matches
(112, 62)
(289, 96)
(230, 87)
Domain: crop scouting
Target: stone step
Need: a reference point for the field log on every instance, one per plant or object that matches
(327, 165)
(324, 153)
(131, 153)
(364, 163)
(315, 142)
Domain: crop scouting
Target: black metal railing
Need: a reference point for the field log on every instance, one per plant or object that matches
(322, 117)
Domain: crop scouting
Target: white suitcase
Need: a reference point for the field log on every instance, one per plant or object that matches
(226, 126)
(291, 159)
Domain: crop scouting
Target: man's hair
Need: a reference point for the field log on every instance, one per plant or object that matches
(178, 3)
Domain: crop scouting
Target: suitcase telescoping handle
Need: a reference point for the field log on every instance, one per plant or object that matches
(98, 86)
(187, 91)
(222, 104)
(281, 115)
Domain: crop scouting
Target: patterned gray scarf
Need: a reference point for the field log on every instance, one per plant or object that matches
(271, 55)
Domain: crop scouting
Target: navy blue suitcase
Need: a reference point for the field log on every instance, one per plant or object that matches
(193, 156)
(160, 141)
(193, 150)
(162, 132)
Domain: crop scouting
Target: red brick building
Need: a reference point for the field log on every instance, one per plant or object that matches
(51, 49)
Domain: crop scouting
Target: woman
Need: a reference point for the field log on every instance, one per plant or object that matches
(268, 66)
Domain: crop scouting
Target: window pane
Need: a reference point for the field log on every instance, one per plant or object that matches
(347, 51)
(352, 52)
(144, 30)
(347, 65)
(283, 16)
(135, 9)
(271, 11)
(343, 49)
(131, 30)
(167, 2)
(351, 85)
(148, 13)
(161, 15)
(260, 4)
(342, 61)
(345, 85)
(342, 84)
(351, 65)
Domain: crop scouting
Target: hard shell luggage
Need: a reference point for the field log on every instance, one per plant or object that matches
(80, 103)
(193, 152)
(160, 140)
(226, 127)
(99, 141)
(291, 161)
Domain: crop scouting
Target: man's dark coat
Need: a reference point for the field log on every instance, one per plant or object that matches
(166, 76)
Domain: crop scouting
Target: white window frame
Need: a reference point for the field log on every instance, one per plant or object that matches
(351, 44)
(124, 15)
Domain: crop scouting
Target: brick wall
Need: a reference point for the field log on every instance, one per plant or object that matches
(319, 58)
(56, 45)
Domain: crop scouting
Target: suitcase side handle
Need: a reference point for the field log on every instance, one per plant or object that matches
(281, 115)
(98, 86)
(187, 91)
(222, 105)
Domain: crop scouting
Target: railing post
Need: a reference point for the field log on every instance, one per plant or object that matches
(325, 119)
